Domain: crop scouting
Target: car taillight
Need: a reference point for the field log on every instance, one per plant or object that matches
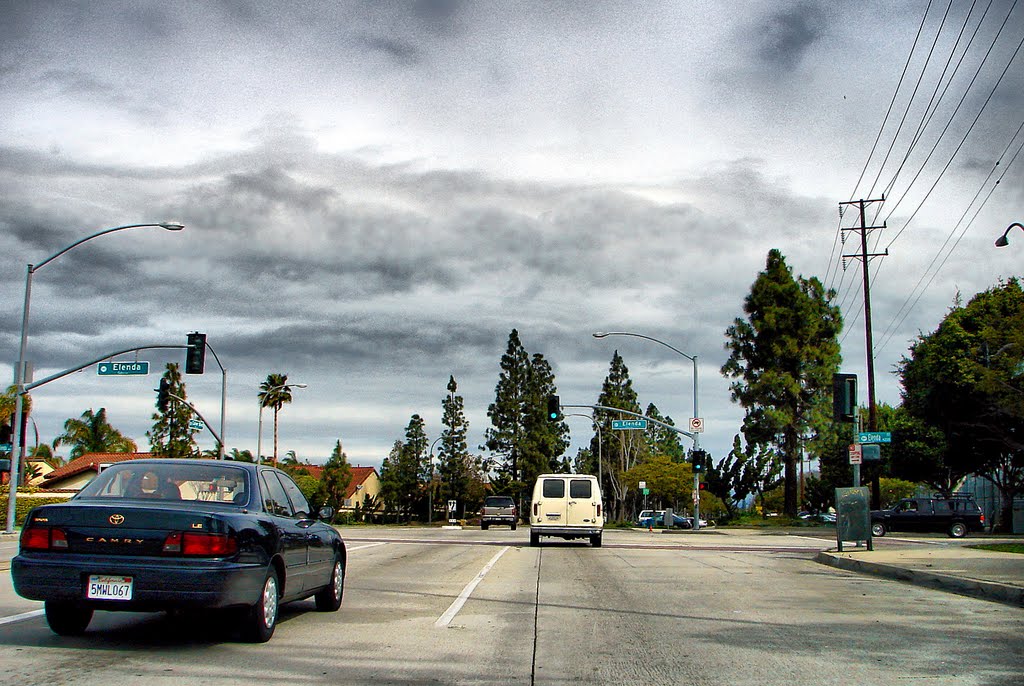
(43, 538)
(982, 517)
(204, 545)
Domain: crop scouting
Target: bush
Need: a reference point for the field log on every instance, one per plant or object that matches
(24, 504)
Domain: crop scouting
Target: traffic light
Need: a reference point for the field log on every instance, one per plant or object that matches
(701, 486)
(699, 460)
(163, 395)
(554, 408)
(195, 355)
(844, 397)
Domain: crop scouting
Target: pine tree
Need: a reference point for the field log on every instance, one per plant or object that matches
(337, 476)
(506, 412)
(783, 355)
(621, 450)
(171, 435)
(455, 463)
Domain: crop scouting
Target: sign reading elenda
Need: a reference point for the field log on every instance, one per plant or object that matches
(122, 368)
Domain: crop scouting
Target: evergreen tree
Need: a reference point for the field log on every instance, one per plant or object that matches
(171, 435)
(783, 356)
(391, 486)
(502, 439)
(455, 463)
(336, 478)
(662, 441)
(622, 450)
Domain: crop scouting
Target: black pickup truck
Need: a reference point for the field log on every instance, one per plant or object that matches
(955, 516)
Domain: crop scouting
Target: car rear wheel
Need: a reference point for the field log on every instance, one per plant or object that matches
(261, 618)
(877, 529)
(513, 526)
(67, 619)
(329, 598)
(957, 530)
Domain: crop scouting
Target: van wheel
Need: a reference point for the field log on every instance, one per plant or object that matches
(877, 529)
(595, 540)
(483, 527)
(957, 530)
(534, 540)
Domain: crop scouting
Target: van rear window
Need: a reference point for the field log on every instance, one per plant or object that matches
(553, 488)
(579, 488)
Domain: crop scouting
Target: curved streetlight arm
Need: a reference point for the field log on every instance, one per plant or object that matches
(602, 334)
(198, 414)
(1003, 240)
(170, 226)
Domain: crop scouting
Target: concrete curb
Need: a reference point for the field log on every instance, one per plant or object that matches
(986, 590)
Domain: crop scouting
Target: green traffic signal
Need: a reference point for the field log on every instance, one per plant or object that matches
(554, 408)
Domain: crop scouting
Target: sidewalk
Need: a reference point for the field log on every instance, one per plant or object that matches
(979, 573)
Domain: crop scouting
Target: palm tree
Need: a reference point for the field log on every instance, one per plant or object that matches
(92, 434)
(275, 393)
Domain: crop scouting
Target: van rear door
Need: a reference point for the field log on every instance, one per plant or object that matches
(581, 509)
(553, 504)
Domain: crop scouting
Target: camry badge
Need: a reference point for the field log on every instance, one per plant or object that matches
(116, 519)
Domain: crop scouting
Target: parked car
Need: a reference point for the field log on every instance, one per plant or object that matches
(567, 506)
(658, 519)
(956, 516)
(499, 509)
(163, 534)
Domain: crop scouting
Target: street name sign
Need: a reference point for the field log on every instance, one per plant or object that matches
(629, 423)
(196, 424)
(122, 368)
(874, 437)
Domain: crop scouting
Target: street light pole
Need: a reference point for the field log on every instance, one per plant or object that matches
(430, 490)
(696, 409)
(259, 431)
(17, 447)
(1003, 241)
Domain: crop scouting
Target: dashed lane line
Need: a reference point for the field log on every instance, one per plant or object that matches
(449, 614)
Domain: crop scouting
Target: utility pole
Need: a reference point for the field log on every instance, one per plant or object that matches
(864, 258)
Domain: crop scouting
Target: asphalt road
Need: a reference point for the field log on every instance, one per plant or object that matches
(472, 607)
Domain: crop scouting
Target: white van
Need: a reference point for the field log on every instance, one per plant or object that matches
(567, 506)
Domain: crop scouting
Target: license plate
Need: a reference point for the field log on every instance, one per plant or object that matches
(109, 587)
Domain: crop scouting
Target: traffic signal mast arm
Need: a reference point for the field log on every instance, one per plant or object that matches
(72, 370)
(198, 414)
(640, 416)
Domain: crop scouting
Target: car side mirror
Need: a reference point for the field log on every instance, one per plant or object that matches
(326, 512)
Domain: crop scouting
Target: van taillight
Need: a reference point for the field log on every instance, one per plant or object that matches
(536, 509)
(43, 538)
(599, 509)
(206, 545)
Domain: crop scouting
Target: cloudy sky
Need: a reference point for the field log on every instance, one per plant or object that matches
(376, 193)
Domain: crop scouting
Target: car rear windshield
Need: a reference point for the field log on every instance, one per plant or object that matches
(498, 502)
(189, 482)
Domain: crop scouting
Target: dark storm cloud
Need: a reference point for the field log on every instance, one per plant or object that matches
(400, 51)
(787, 35)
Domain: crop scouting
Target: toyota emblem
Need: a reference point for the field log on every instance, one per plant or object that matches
(116, 519)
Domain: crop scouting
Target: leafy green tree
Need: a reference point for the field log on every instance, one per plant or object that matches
(761, 468)
(241, 455)
(895, 490)
(171, 435)
(819, 495)
(782, 357)
(392, 487)
(275, 393)
(336, 478)
(622, 450)
(669, 482)
(91, 433)
(964, 379)
(729, 480)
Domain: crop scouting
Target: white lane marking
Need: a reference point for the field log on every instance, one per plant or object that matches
(22, 617)
(453, 610)
(363, 547)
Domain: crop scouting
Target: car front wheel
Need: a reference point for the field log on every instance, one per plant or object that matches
(329, 597)
(957, 530)
(877, 529)
(261, 618)
(67, 619)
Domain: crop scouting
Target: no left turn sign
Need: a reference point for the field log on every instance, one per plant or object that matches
(697, 425)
